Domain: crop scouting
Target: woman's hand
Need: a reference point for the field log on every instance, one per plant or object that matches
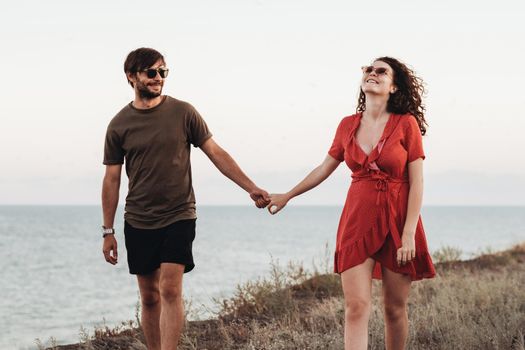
(277, 202)
(407, 252)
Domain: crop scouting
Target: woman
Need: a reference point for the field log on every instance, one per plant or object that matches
(380, 232)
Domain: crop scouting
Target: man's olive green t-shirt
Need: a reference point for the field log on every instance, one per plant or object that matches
(155, 144)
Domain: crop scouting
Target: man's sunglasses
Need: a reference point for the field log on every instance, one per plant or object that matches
(152, 72)
(377, 70)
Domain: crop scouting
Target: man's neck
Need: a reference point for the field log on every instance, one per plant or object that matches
(142, 103)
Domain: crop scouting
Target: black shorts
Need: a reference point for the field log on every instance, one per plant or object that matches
(148, 248)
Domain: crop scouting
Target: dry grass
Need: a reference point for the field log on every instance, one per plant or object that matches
(475, 304)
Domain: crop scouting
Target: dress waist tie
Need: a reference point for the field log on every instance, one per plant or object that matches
(383, 186)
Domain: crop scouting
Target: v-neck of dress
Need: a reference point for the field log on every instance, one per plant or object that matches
(380, 139)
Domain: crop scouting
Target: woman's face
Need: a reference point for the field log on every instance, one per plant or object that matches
(378, 79)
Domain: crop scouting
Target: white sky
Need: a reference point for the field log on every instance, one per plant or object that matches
(272, 79)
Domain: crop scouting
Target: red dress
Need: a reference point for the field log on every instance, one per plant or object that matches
(374, 214)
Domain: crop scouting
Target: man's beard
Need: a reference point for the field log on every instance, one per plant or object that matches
(145, 93)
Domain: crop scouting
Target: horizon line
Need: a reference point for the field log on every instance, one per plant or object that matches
(252, 205)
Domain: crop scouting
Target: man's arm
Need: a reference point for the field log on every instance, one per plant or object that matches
(110, 195)
(227, 165)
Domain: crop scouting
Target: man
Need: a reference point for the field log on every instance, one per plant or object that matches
(153, 134)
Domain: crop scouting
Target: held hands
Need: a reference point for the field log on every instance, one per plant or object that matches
(274, 202)
(407, 252)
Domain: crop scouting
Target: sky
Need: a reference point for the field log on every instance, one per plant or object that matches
(272, 79)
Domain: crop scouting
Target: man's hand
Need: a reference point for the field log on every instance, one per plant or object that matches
(110, 249)
(260, 197)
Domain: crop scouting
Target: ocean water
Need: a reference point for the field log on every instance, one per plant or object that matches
(55, 280)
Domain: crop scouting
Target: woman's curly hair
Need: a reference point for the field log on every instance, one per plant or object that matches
(408, 96)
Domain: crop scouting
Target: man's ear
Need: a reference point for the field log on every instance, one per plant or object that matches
(132, 78)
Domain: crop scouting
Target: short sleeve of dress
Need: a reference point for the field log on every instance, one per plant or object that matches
(197, 129)
(337, 150)
(113, 151)
(413, 140)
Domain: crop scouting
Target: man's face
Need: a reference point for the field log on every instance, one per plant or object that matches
(149, 88)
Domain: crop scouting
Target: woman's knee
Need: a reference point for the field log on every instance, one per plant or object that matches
(395, 311)
(357, 308)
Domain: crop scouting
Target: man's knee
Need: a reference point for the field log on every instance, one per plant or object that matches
(170, 292)
(150, 297)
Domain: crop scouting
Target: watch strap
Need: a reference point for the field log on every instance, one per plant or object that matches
(107, 231)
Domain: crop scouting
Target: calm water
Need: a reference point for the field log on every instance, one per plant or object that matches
(55, 280)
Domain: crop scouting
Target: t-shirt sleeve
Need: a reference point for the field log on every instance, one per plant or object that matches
(414, 140)
(197, 129)
(113, 151)
(337, 150)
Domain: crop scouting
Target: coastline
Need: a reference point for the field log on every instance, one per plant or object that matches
(477, 303)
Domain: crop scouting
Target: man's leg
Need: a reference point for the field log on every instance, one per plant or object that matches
(172, 308)
(150, 300)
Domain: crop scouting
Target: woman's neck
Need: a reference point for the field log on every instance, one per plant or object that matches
(375, 108)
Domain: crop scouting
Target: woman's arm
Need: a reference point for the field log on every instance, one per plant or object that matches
(415, 198)
(415, 195)
(316, 176)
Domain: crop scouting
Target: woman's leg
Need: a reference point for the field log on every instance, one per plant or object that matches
(396, 288)
(357, 289)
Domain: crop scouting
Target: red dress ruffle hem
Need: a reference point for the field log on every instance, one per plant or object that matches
(374, 214)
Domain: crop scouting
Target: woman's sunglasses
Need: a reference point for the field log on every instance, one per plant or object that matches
(152, 72)
(377, 70)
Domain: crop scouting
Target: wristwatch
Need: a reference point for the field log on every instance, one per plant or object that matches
(107, 231)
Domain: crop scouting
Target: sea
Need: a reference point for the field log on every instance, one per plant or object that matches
(56, 287)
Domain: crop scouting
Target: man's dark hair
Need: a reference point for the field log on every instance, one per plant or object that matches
(141, 59)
